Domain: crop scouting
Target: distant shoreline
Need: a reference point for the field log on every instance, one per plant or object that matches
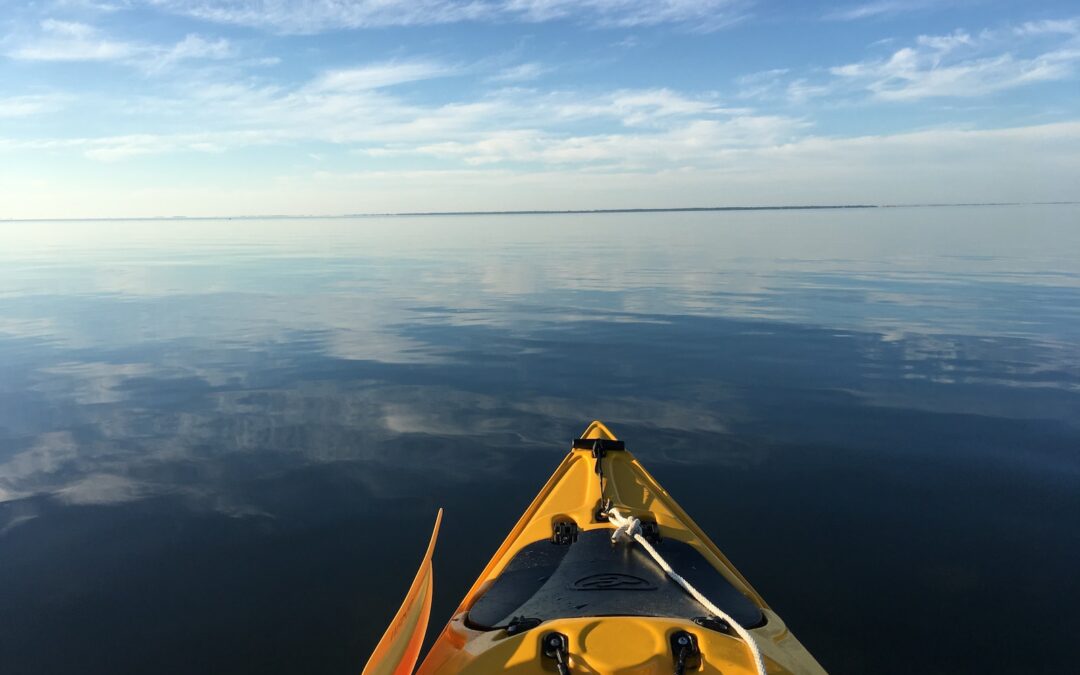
(537, 212)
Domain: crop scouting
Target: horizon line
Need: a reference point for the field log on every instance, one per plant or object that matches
(523, 212)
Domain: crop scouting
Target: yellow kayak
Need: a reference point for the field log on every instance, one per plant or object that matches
(605, 573)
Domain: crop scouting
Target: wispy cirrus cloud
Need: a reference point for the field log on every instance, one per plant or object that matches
(780, 84)
(32, 104)
(958, 65)
(73, 41)
(1049, 27)
(196, 47)
(802, 90)
(761, 84)
(313, 16)
(879, 8)
(522, 72)
(379, 75)
(113, 148)
(705, 14)
(90, 5)
(698, 143)
(635, 107)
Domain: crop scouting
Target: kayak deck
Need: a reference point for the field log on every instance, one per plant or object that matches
(592, 578)
(558, 574)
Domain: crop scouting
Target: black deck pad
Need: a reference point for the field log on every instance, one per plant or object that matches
(593, 577)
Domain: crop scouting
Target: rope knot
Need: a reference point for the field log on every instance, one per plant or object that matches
(626, 527)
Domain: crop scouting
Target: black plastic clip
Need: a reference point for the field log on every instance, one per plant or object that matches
(713, 623)
(520, 624)
(685, 652)
(556, 647)
(598, 444)
(564, 532)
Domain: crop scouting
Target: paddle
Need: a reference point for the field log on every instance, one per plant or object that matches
(399, 647)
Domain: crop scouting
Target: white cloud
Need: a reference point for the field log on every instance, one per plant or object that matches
(699, 142)
(945, 43)
(196, 47)
(876, 9)
(312, 16)
(631, 107)
(955, 65)
(263, 61)
(762, 84)
(114, 148)
(378, 75)
(71, 41)
(90, 5)
(779, 84)
(26, 106)
(1050, 26)
(522, 72)
(121, 147)
(67, 28)
(802, 90)
(706, 14)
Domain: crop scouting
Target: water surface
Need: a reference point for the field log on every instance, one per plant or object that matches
(222, 443)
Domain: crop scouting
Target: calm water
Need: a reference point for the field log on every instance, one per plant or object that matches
(222, 444)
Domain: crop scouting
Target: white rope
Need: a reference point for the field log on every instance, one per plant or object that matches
(627, 528)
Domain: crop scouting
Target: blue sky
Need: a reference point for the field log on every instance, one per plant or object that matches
(230, 107)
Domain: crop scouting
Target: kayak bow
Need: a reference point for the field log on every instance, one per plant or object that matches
(573, 590)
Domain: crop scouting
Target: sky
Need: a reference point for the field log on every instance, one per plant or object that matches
(132, 108)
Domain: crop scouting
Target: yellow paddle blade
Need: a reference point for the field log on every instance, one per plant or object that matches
(399, 648)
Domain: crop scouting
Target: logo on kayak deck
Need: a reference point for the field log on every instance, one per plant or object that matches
(612, 581)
